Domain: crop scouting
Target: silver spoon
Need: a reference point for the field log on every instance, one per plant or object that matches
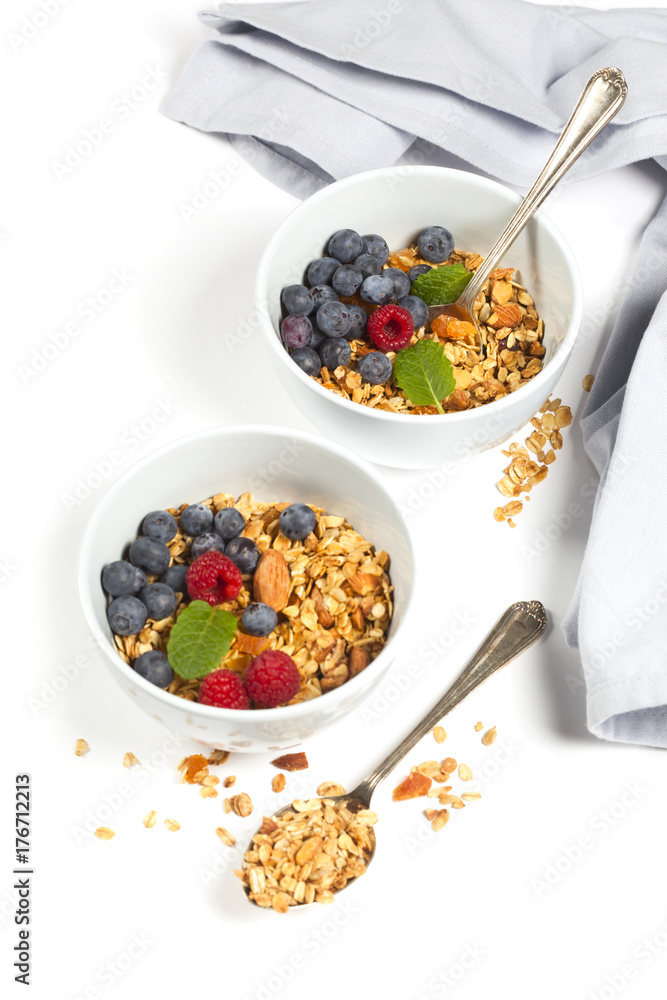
(601, 98)
(516, 630)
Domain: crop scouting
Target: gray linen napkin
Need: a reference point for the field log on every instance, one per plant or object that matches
(312, 92)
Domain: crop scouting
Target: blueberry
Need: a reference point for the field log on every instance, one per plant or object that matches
(400, 280)
(335, 351)
(159, 524)
(160, 601)
(150, 555)
(435, 244)
(154, 666)
(417, 309)
(359, 320)
(375, 368)
(345, 245)
(196, 519)
(323, 293)
(229, 522)
(297, 521)
(122, 577)
(347, 280)
(210, 542)
(378, 289)
(308, 360)
(297, 299)
(259, 619)
(375, 245)
(296, 330)
(418, 269)
(333, 319)
(127, 615)
(321, 271)
(244, 553)
(315, 340)
(367, 264)
(174, 577)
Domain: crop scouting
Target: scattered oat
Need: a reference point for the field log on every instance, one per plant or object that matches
(478, 726)
(227, 805)
(207, 792)
(440, 819)
(225, 836)
(489, 736)
(587, 383)
(241, 804)
(150, 819)
(470, 796)
(465, 772)
(439, 734)
(80, 748)
(172, 824)
(330, 789)
(229, 781)
(218, 757)
(278, 782)
(104, 833)
(129, 760)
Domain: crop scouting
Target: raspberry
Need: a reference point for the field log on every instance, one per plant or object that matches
(223, 689)
(272, 678)
(390, 327)
(214, 578)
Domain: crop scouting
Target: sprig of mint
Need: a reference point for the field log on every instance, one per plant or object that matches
(441, 285)
(424, 373)
(199, 639)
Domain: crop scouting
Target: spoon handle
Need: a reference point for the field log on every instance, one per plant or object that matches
(602, 97)
(517, 629)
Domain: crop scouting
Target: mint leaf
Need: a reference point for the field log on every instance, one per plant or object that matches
(441, 285)
(199, 639)
(424, 373)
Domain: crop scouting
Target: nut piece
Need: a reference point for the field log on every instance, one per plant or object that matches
(278, 782)
(150, 819)
(172, 824)
(489, 736)
(242, 804)
(129, 760)
(104, 833)
(272, 583)
(81, 747)
(291, 762)
(359, 660)
(439, 734)
(225, 836)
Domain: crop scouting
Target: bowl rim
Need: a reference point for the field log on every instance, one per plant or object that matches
(457, 417)
(258, 715)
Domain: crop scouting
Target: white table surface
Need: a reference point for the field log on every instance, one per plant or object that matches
(553, 884)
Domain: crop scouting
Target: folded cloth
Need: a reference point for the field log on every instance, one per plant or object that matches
(312, 92)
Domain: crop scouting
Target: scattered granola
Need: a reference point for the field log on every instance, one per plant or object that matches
(80, 748)
(150, 819)
(489, 736)
(278, 782)
(415, 785)
(229, 781)
(218, 757)
(478, 726)
(524, 471)
(439, 734)
(291, 761)
(307, 854)
(439, 819)
(193, 769)
(104, 833)
(225, 836)
(129, 760)
(241, 804)
(587, 383)
(465, 772)
(172, 824)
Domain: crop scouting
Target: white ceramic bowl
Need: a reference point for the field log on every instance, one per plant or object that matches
(272, 463)
(398, 203)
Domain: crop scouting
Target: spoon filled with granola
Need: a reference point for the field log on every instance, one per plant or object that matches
(310, 850)
(600, 100)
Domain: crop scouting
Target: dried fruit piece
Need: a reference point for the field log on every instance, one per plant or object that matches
(412, 787)
(253, 644)
(193, 768)
(489, 736)
(291, 762)
(271, 582)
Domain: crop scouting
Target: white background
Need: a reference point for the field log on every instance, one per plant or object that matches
(497, 885)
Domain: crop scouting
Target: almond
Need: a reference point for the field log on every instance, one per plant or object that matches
(509, 316)
(359, 660)
(271, 582)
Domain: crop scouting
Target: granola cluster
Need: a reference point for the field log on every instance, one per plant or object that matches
(511, 352)
(338, 610)
(307, 853)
